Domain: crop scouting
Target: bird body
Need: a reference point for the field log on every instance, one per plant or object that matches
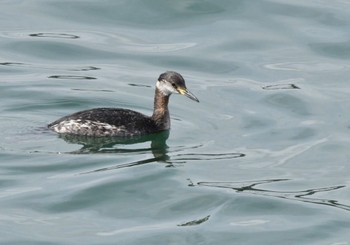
(124, 122)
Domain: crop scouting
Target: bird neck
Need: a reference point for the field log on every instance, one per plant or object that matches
(160, 112)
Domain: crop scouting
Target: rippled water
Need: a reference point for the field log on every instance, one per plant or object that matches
(262, 159)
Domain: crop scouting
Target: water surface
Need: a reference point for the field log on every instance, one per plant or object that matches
(262, 159)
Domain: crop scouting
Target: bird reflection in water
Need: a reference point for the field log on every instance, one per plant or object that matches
(93, 145)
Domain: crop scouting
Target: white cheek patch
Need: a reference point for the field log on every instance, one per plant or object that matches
(166, 88)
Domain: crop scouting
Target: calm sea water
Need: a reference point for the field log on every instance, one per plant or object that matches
(262, 159)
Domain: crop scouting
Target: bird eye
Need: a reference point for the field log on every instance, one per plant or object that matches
(174, 85)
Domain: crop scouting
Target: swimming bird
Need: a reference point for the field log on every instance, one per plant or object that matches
(120, 122)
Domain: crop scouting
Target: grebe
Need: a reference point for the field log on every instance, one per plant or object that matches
(123, 122)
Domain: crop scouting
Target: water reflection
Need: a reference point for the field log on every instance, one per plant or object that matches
(158, 147)
(106, 144)
(300, 195)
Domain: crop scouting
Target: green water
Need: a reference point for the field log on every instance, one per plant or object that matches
(262, 159)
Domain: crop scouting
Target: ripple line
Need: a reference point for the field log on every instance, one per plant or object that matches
(195, 222)
(139, 85)
(54, 35)
(86, 68)
(280, 86)
(300, 195)
(12, 64)
(208, 156)
(71, 77)
(124, 165)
